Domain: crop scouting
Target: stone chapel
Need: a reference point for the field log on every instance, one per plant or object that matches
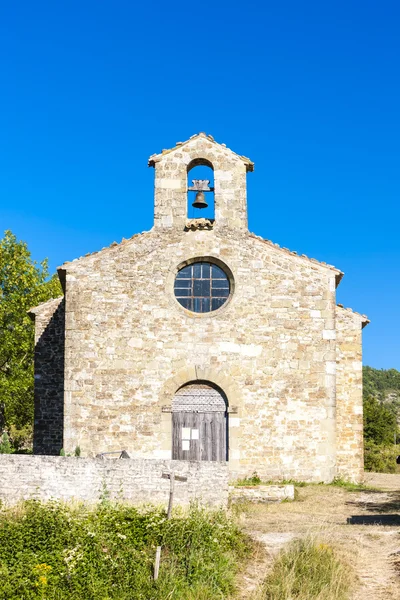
(198, 340)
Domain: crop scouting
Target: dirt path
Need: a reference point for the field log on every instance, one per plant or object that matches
(364, 526)
(383, 481)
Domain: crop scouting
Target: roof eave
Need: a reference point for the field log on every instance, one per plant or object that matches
(364, 319)
(338, 274)
(32, 312)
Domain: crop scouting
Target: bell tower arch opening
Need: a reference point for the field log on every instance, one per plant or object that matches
(215, 169)
(200, 423)
(200, 186)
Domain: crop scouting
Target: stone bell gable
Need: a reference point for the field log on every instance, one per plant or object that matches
(171, 171)
(199, 340)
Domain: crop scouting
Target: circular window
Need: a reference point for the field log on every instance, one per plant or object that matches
(202, 287)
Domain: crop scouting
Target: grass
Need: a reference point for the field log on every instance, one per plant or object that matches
(350, 486)
(308, 569)
(322, 511)
(255, 480)
(249, 481)
(62, 552)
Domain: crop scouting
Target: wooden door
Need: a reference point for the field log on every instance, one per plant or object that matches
(199, 424)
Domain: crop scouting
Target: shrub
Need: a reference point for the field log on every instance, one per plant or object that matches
(5, 446)
(308, 570)
(380, 424)
(350, 486)
(380, 458)
(54, 551)
(249, 481)
(21, 439)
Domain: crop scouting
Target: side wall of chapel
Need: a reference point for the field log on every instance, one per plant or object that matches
(349, 398)
(49, 377)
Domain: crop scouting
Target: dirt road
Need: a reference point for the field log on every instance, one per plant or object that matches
(363, 525)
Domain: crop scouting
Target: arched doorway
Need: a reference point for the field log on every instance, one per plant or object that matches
(200, 423)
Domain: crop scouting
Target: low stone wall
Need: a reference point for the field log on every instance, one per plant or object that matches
(131, 480)
(262, 493)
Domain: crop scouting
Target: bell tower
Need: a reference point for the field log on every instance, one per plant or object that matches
(172, 189)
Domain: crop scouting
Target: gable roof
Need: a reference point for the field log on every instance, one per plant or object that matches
(32, 312)
(154, 158)
(68, 263)
(338, 273)
(364, 319)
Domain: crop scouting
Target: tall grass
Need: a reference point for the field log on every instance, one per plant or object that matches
(308, 570)
(58, 552)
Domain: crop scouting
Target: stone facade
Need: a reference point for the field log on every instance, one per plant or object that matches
(134, 481)
(349, 404)
(49, 376)
(272, 348)
(263, 494)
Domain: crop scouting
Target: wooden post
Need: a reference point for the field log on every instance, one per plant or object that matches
(157, 563)
(171, 476)
(171, 494)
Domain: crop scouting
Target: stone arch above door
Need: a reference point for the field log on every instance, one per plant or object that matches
(195, 374)
(199, 396)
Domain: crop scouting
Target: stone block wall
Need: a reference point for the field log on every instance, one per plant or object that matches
(274, 348)
(170, 206)
(134, 481)
(271, 349)
(49, 376)
(262, 493)
(349, 397)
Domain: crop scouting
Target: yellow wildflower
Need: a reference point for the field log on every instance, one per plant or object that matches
(43, 567)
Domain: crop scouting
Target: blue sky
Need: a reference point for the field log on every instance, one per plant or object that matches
(308, 90)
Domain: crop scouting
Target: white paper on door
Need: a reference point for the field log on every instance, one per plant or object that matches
(186, 433)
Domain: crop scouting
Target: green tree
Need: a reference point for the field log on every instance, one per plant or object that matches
(24, 283)
(380, 383)
(380, 424)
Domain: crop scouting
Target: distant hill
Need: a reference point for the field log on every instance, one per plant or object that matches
(384, 385)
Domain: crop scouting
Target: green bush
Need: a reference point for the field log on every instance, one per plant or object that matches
(5, 446)
(308, 570)
(21, 439)
(380, 424)
(54, 551)
(380, 458)
(249, 481)
(350, 486)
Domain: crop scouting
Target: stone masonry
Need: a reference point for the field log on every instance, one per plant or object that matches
(286, 357)
(49, 376)
(134, 481)
(349, 403)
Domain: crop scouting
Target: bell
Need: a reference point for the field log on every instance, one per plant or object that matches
(200, 201)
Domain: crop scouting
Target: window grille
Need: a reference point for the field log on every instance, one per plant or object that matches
(201, 287)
